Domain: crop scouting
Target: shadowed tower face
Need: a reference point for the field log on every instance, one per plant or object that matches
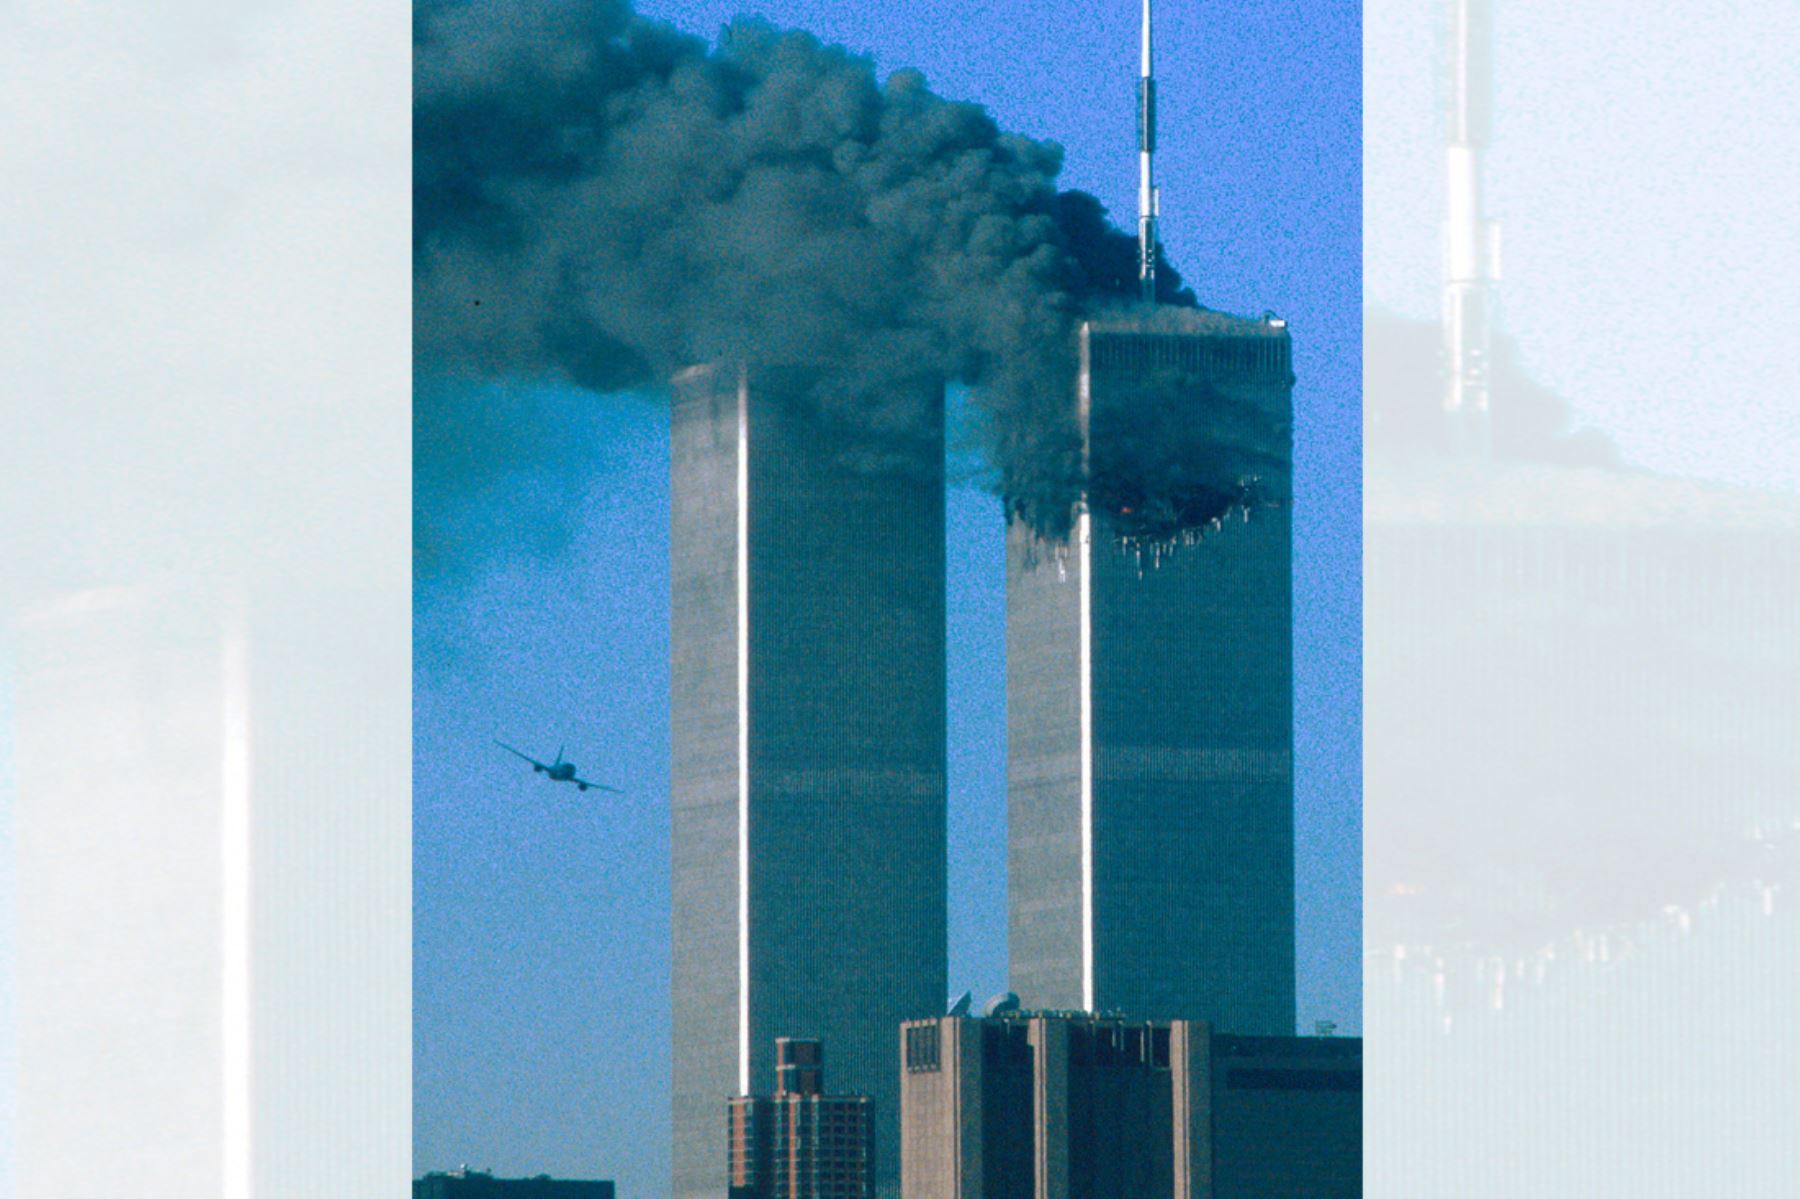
(808, 738)
(1150, 717)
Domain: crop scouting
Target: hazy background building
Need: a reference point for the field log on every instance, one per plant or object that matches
(808, 744)
(211, 835)
(1050, 1106)
(800, 1142)
(1150, 710)
(1583, 825)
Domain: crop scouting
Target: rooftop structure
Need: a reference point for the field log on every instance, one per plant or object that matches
(1149, 202)
(1028, 1105)
(800, 1143)
(477, 1184)
(1471, 241)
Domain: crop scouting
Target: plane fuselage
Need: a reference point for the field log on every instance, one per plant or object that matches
(558, 771)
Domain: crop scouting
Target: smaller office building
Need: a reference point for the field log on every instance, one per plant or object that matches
(476, 1184)
(1070, 1105)
(801, 1143)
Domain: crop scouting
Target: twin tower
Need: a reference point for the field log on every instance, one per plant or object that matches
(1149, 725)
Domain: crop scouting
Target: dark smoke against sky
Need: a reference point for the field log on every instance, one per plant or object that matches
(601, 199)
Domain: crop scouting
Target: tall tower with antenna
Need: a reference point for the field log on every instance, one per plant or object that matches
(1471, 241)
(1150, 703)
(1149, 202)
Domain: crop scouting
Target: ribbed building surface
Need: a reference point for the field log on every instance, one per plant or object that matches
(1068, 1106)
(1150, 719)
(808, 739)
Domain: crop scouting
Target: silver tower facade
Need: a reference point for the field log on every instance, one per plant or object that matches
(808, 740)
(1150, 719)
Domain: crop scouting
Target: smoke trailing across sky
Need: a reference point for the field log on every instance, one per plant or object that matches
(603, 200)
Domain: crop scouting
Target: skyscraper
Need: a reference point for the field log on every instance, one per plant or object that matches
(808, 741)
(1150, 711)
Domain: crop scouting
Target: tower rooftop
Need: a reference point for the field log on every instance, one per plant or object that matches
(1166, 318)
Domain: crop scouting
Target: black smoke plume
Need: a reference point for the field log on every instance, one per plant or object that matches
(603, 200)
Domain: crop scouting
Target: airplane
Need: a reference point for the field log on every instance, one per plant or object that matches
(559, 770)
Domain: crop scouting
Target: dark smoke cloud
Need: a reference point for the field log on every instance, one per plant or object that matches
(603, 200)
(475, 440)
(1166, 479)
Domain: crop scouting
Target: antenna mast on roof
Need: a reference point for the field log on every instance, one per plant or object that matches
(1471, 243)
(1149, 203)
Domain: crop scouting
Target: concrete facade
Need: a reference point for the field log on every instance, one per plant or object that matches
(1150, 717)
(1072, 1106)
(808, 742)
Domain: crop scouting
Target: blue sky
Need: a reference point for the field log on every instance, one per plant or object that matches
(541, 917)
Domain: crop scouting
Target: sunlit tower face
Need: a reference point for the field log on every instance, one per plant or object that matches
(808, 835)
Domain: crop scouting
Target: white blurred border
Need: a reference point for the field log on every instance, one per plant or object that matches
(1582, 683)
(205, 597)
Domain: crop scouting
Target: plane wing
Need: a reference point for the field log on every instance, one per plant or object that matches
(598, 786)
(509, 749)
